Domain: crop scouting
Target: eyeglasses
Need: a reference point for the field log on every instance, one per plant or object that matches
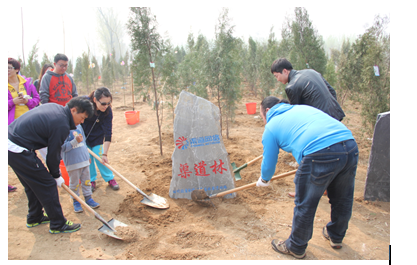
(11, 67)
(104, 103)
(63, 65)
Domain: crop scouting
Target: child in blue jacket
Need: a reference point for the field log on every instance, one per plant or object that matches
(77, 161)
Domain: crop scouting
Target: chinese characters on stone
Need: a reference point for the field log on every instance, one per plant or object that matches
(200, 169)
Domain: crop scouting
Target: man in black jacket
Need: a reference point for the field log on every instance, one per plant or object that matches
(307, 87)
(47, 125)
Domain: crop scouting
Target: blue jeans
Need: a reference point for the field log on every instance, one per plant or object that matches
(332, 168)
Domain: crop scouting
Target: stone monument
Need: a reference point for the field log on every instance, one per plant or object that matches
(377, 185)
(200, 159)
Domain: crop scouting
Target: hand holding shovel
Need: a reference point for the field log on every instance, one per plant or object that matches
(201, 195)
(152, 200)
(237, 170)
(108, 228)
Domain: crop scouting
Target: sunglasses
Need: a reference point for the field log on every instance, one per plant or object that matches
(104, 103)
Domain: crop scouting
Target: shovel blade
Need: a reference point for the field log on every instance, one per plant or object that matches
(108, 231)
(237, 173)
(199, 195)
(155, 201)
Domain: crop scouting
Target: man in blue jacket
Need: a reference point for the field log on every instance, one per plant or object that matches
(328, 156)
(47, 125)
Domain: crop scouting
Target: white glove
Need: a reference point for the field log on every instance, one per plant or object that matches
(59, 181)
(260, 183)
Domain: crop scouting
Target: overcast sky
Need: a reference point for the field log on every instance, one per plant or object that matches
(47, 23)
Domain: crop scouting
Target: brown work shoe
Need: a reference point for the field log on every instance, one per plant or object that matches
(332, 244)
(280, 247)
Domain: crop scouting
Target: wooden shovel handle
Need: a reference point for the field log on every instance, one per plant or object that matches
(254, 160)
(86, 206)
(112, 169)
(252, 184)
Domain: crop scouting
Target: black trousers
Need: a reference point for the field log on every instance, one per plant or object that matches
(40, 188)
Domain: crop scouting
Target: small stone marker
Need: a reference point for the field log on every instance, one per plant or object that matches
(377, 185)
(200, 160)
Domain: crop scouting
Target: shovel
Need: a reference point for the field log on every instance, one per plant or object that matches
(152, 200)
(108, 228)
(237, 170)
(201, 195)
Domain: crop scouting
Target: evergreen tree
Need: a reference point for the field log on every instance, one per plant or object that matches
(179, 53)
(115, 67)
(268, 54)
(95, 71)
(106, 72)
(125, 68)
(170, 76)
(252, 63)
(32, 69)
(372, 90)
(147, 43)
(192, 67)
(225, 70)
(330, 73)
(345, 71)
(70, 67)
(286, 44)
(78, 73)
(308, 51)
(46, 60)
(86, 76)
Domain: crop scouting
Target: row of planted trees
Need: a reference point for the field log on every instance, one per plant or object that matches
(219, 69)
(89, 72)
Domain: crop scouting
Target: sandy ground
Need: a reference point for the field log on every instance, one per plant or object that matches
(236, 229)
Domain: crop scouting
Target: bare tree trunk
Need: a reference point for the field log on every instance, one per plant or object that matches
(220, 109)
(133, 95)
(156, 100)
(23, 52)
(227, 124)
(173, 114)
(156, 108)
(63, 28)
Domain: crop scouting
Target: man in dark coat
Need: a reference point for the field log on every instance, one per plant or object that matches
(47, 125)
(307, 87)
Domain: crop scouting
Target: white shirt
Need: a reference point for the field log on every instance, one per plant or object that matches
(12, 147)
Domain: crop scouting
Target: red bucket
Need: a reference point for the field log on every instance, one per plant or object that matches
(251, 107)
(132, 116)
(64, 172)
